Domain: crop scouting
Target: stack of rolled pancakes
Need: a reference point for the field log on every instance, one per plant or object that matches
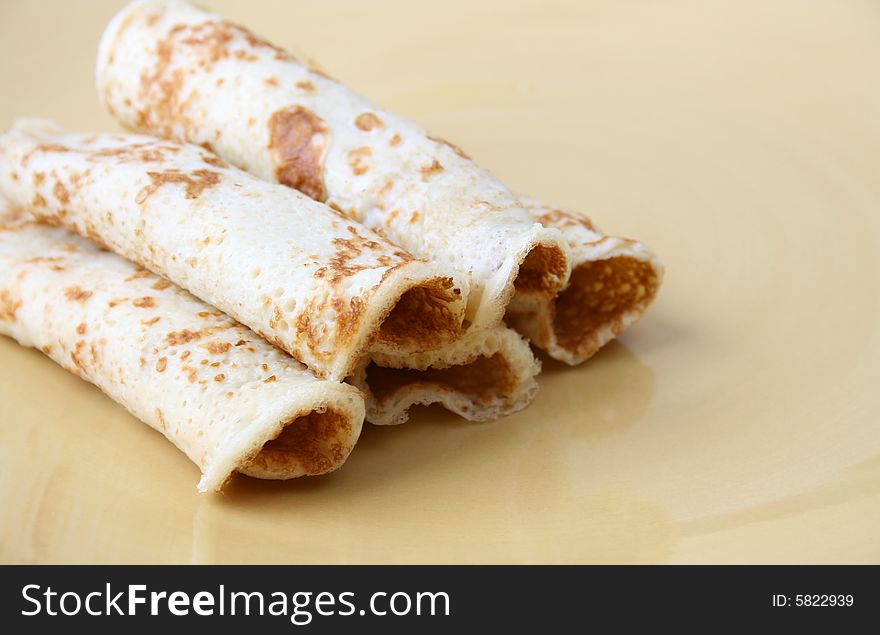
(273, 259)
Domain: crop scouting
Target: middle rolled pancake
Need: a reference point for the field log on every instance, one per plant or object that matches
(314, 283)
(486, 374)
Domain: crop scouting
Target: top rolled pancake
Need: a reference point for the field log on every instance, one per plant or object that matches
(168, 68)
(309, 280)
(613, 281)
(225, 397)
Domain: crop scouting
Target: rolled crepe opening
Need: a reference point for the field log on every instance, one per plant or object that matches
(422, 316)
(228, 399)
(479, 380)
(542, 271)
(319, 286)
(599, 294)
(484, 375)
(169, 68)
(612, 283)
(310, 444)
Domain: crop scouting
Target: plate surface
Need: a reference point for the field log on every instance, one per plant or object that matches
(738, 422)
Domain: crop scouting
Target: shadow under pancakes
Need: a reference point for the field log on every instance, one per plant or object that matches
(597, 399)
(441, 489)
(382, 454)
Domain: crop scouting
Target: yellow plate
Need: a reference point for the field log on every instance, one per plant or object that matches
(738, 422)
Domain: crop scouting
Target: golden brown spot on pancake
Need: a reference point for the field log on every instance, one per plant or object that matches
(44, 259)
(348, 249)
(151, 321)
(138, 274)
(81, 328)
(39, 178)
(61, 193)
(484, 379)
(270, 379)
(357, 160)
(385, 189)
(451, 145)
(8, 306)
(309, 444)
(194, 183)
(207, 314)
(47, 349)
(217, 162)
(241, 342)
(161, 419)
(229, 394)
(413, 218)
(600, 292)
(395, 140)
(185, 355)
(265, 367)
(215, 365)
(219, 377)
(43, 147)
(298, 143)
(305, 85)
(433, 168)
(192, 375)
(75, 356)
(160, 285)
(276, 318)
(541, 271)
(251, 121)
(146, 152)
(211, 37)
(162, 364)
(367, 121)
(271, 81)
(176, 338)
(145, 302)
(38, 201)
(218, 348)
(77, 294)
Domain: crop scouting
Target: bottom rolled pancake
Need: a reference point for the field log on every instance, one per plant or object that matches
(229, 400)
(485, 374)
(613, 281)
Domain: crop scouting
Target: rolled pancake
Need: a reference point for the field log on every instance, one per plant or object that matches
(229, 400)
(486, 374)
(307, 279)
(168, 68)
(613, 281)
